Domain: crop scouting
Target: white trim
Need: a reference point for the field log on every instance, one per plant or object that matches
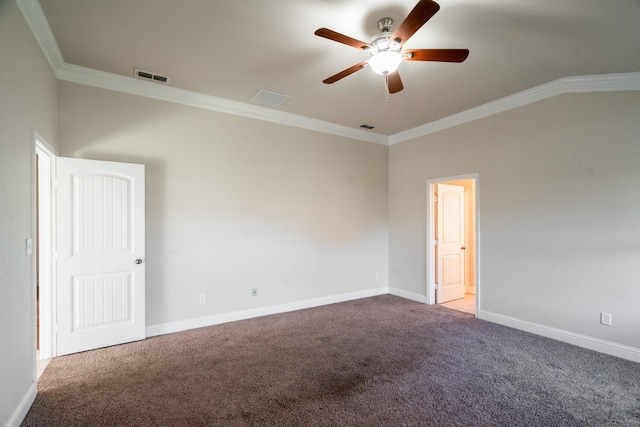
(37, 21)
(44, 145)
(23, 407)
(216, 319)
(46, 229)
(408, 295)
(130, 85)
(430, 241)
(602, 346)
(596, 83)
(39, 25)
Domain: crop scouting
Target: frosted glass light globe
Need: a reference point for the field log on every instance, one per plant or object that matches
(385, 62)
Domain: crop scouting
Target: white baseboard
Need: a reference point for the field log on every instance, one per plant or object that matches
(602, 346)
(25, 404)
(584, 341)
(183, 325)
(408, 295)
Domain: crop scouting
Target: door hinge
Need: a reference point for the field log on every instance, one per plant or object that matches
(54, 183)
(435, 243)
(436, 287)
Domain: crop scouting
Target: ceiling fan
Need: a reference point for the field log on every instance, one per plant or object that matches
(386, 47)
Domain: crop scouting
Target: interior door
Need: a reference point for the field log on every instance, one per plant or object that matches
(101, 276)
(450, 258)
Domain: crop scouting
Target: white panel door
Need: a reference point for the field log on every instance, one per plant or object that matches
(100, 287)
(450, 262)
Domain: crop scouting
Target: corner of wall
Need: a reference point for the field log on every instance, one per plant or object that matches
(25, 404)
(408, 295)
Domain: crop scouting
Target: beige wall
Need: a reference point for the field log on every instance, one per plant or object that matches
(559, 202)
(235, 203)
(27, 104)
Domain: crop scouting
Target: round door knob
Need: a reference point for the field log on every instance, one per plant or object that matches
(138, 261)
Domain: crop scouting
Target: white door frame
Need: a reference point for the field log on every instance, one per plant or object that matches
(45, 245)
(431, 237)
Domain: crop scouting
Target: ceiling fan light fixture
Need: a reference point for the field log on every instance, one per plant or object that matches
(385, 47)
(385, 62)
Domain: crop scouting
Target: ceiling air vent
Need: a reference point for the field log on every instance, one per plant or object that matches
(267, 97)
(365, 126)
(152, 76)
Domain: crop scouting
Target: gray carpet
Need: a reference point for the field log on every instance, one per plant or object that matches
(381, 361)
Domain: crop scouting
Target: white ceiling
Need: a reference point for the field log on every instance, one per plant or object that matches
(232, 49)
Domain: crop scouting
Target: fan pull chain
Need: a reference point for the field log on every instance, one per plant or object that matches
(387, 95)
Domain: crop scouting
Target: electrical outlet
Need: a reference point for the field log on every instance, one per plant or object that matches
(254, 292)
(605, 319)
(377, 276)
(203, 299)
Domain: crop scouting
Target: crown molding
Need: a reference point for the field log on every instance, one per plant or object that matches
(133, 86)
(34, 15)
(37, 21)
(577, 84)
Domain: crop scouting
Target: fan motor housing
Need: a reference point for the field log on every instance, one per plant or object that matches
(381, 41)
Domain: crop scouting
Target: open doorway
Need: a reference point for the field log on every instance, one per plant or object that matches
(452, 242)
(45, 244)
(109, 200)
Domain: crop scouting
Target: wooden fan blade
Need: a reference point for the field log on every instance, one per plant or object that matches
(419, 15)
(341, 38)
(439, 55)
(394, 83)
(345, 73)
